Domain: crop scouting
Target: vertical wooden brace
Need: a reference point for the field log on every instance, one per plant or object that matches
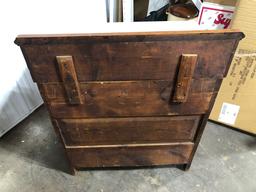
(69, 79)
(185, 75)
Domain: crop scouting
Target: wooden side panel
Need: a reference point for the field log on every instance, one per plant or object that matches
(147, 155)
(133, 98)
(103, 131)
(130, 60)
(185, 74)
(69, 79)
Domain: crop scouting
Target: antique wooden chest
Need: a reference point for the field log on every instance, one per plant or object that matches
(129, 99)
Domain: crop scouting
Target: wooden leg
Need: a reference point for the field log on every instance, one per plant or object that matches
(184, 167)
(72, 170)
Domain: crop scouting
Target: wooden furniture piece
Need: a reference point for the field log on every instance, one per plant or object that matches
(130, 99)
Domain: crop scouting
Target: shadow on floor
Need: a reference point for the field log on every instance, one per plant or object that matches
(35, 141)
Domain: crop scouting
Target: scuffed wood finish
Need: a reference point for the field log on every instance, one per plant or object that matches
(185, 74)
(137, 155)
(103, 131)
(197, 104)
(201, 128)
(55, 93)
(126, 36)
(138, 98)
(129, 57)
(130, 99)
(69, 79)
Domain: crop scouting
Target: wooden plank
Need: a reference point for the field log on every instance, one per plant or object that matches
(69, 79)
(198, 104)
(55, 93)
(132, 98)
(184, 79)
(103, 131)
(147, 155)
(107, 61)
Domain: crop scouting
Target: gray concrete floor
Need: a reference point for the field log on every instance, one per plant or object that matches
(32, 159)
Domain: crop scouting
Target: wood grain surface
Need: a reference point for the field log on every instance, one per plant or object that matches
(130, 99)
(103, 131)
(129, 57)
(131, 155)
(68, 76)
(185, 74)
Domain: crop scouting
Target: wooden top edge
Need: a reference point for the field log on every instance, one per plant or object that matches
(127, 33)
(33, 38)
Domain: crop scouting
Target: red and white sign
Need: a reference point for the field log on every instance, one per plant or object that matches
(215, 16)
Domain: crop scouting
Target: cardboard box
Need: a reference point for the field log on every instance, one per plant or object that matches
(223, 2)
(236, 102)
(245, 20)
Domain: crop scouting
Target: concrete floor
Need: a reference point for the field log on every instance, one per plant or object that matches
(32, 159)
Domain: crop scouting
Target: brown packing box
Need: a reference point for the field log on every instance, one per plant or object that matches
(223, 2)
(245, 20)
(239, 87)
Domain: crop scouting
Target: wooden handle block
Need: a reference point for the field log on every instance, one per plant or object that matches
(186, 71)
(69, 79)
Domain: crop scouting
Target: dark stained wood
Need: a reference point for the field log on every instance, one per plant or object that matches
(137, 155)
(55, 92)
(128, 108)
(201, 128)
(197, 104)
(102, 131)
(138, 98)
(185, 74)
(104, 62)
(69, 79)
(107, 59)
(77, 38)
